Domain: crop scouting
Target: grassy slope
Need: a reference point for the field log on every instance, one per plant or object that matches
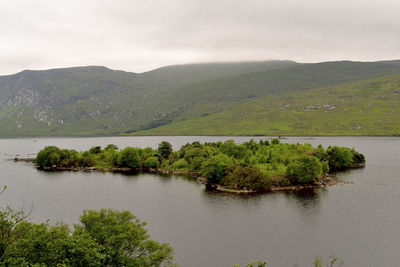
(364, 108)
(201, 99)
(99, 101)
(96, 100)
(176, 76)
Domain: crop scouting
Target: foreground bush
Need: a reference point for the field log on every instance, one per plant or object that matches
(104, 238)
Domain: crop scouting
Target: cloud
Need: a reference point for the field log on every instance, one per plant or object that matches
(142, 35)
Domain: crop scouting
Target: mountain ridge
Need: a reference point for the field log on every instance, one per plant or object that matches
(96, 100)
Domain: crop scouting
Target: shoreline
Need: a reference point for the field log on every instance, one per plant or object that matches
(327, 180)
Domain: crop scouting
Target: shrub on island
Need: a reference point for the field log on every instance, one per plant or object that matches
(151, 162)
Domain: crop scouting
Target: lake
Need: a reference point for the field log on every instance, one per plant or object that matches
(357, 220)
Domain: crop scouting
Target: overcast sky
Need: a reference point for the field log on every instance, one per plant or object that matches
(142, 35)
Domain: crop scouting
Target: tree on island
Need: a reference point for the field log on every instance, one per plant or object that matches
(165, 149)
(305, 169)
(129, 158)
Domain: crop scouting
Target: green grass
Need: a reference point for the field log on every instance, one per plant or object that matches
(201, 99)
(364, 108)
(100, 101)
(217, 98)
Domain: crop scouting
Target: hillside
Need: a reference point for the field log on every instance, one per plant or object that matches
(364, 108)
(202, 99)
(100, 101)
(96, 100)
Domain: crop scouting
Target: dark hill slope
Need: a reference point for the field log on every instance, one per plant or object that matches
(172, 77)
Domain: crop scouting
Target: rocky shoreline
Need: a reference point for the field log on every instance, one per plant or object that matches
(327, 180)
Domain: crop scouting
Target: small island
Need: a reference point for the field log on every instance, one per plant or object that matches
(251, 167)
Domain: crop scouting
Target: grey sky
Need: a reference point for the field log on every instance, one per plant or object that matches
(142, 35)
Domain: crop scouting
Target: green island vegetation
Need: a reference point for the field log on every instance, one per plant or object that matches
(249, 167)
(103, 238)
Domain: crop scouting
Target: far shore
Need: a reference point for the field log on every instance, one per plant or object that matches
(190, 135)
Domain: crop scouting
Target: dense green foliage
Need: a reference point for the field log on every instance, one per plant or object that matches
(165, 149)
(109, 157)
(252, 97)
(151, 162)
(103, 238)
(255, 166)
(305, 169)
(128, 158)
(213, 168)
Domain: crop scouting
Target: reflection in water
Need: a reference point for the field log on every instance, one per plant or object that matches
(183, 177)
(52, 174)
(125, 173)
(222, 200)
(307, 198)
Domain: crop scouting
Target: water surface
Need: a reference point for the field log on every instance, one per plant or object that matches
(357, 220)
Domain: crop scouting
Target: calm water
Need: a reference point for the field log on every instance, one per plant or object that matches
(357, 220)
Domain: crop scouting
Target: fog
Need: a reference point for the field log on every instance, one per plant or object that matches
(142, 35)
